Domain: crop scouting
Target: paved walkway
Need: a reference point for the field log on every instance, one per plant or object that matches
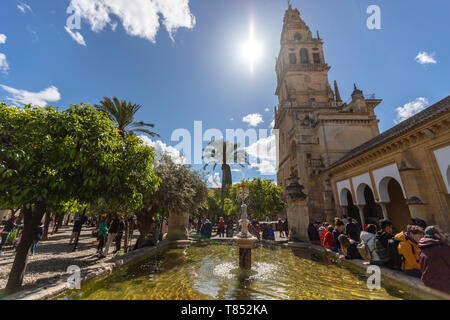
(52, 257)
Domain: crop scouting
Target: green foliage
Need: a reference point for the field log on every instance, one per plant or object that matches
(211, 205)
(13, 235)
(181, 190)
(68, 158)
(264, 198)
(122, 113)
(51, 156)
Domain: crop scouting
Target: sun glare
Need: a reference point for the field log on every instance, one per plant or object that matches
(252, 49)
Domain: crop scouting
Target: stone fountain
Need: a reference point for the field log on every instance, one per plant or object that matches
(244, 239)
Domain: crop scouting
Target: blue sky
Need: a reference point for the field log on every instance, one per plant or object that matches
(197, 71)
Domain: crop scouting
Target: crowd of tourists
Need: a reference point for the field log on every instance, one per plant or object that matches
(419, 250)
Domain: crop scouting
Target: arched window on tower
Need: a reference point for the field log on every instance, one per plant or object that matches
(292, 58)
(304, 57)
(316, 58)
(298, 36)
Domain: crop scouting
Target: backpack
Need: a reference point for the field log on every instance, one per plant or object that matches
(395, 259)
(364, 250)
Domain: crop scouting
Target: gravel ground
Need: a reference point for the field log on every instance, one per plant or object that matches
(52, 257)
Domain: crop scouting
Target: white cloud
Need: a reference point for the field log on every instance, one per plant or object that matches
(266, 110)
(24, 7)
(162, 149)
(138, 17)
(2, 38)
(76, 36)
(4, 66)
(424, 58)
(51, 94)
(263, 155)
(410, 109)
(253, 119)
(214, 180)
(232, 119)
(272, 124)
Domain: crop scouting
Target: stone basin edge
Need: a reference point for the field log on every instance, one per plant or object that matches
(392, 275)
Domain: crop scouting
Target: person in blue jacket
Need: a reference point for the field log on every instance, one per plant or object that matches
(37, 238)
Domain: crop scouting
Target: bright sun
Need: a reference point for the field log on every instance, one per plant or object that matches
(252, 49)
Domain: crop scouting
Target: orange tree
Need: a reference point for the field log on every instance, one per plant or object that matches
(48, 156)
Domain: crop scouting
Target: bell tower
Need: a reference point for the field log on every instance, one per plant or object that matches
(302, 72)
(316, 128)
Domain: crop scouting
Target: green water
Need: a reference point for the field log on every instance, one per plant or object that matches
(211, 272)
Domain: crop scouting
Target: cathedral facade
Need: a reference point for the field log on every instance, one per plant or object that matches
(319, 133)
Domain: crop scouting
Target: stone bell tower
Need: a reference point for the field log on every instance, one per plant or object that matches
(316, 128)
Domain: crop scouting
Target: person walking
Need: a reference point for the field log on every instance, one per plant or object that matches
(119, 235)
(10, 225)
(102, 234)
(76, 229)
(280, 228)
(286, 228)
(38, 237)
(112, 233)
(230, 226)
(221, 228)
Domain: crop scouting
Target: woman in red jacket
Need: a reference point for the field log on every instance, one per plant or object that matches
(328, 239)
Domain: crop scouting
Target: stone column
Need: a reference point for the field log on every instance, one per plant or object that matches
(245, 258)
(384, 209)
(361, 215)
(178, 224)
(298, 218)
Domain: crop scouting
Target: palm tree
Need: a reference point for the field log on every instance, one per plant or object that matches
(122, 113)
(224, 153)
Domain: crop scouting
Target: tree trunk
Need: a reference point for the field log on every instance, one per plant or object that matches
(60, 222)
(46, 225)
(32, 218)
(68, 219)
(127, 228)
(144, 224)
(226, 182)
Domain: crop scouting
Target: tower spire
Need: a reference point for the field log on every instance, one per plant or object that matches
(336, 92)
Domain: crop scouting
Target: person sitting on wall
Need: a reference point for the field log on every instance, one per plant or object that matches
(366, 247)
(352, 229)
(382, 240)
(409, 250)
(338, 230)
(328, 240)
(313, 233)
(349, 248)
(419, 222)
(435, 259)
(322, 230)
